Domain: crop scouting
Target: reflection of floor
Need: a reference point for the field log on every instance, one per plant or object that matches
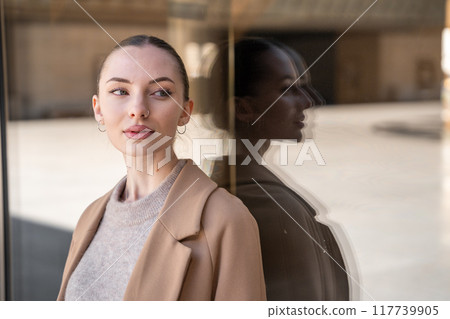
(39, 255)
(423, 127)
(382, 182)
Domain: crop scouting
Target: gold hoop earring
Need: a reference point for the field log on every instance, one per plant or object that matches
(183, 131)
(101, 128)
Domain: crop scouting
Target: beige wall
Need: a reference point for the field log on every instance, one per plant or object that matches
(53, 67)
(388, 66)
(356, 68)
(410, 65)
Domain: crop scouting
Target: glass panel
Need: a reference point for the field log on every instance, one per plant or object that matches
(368, 161)
(3, 170)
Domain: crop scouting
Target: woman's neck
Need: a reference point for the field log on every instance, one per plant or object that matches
(140, 183)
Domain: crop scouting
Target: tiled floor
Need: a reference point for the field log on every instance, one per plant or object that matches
(386, 183)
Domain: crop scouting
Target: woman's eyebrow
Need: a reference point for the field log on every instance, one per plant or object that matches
(157, 80)
(287, 77)
(161, 79)
(116, 79)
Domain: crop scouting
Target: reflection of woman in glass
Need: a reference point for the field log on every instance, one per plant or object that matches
(301, 258)
(168, 233)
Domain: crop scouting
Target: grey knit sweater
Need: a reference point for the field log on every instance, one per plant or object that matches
(105, 268)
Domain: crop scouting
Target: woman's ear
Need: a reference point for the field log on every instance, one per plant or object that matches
(244, 109)
(96, 107)
(186, 113)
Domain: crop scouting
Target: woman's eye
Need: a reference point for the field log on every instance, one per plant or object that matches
(119, 92)
(293, 88)
(163, 93)
(285, 88)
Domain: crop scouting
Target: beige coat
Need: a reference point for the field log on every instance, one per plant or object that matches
(204, 246)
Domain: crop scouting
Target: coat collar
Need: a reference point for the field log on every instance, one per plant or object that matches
(179, 218)
(182, 210)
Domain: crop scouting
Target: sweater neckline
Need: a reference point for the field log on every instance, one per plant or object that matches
(138, 211)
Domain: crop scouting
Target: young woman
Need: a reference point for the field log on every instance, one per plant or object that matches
(165, 231)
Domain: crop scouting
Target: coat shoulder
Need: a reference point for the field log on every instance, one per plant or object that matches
(226, 209)
(232, 237)
(226, 218)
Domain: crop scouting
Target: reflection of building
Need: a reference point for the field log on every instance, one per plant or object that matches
(391, 54)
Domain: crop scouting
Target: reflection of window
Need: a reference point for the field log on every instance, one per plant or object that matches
(425, 74)
(351, 73)
(199, 58)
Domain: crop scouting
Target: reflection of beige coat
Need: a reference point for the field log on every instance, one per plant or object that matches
(204, 246)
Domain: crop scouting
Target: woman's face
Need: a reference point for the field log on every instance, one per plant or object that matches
(284, 119)
(131, 96)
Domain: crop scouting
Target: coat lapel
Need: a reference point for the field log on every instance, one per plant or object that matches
(161, 268)
(162, 265)
(86, 229)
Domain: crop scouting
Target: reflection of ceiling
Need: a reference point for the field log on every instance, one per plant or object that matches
(105, 11)
(263, 14)
(338, 14)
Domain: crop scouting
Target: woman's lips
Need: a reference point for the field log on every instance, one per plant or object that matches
(138, 132)
(300, 122)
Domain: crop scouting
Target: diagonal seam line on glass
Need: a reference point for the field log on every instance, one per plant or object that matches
(134, 60)
(315, 241)
(134, 242)
(320, 56)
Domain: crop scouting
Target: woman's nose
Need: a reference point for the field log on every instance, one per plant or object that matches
(138, 108)
(316, 97)
(306, 99)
